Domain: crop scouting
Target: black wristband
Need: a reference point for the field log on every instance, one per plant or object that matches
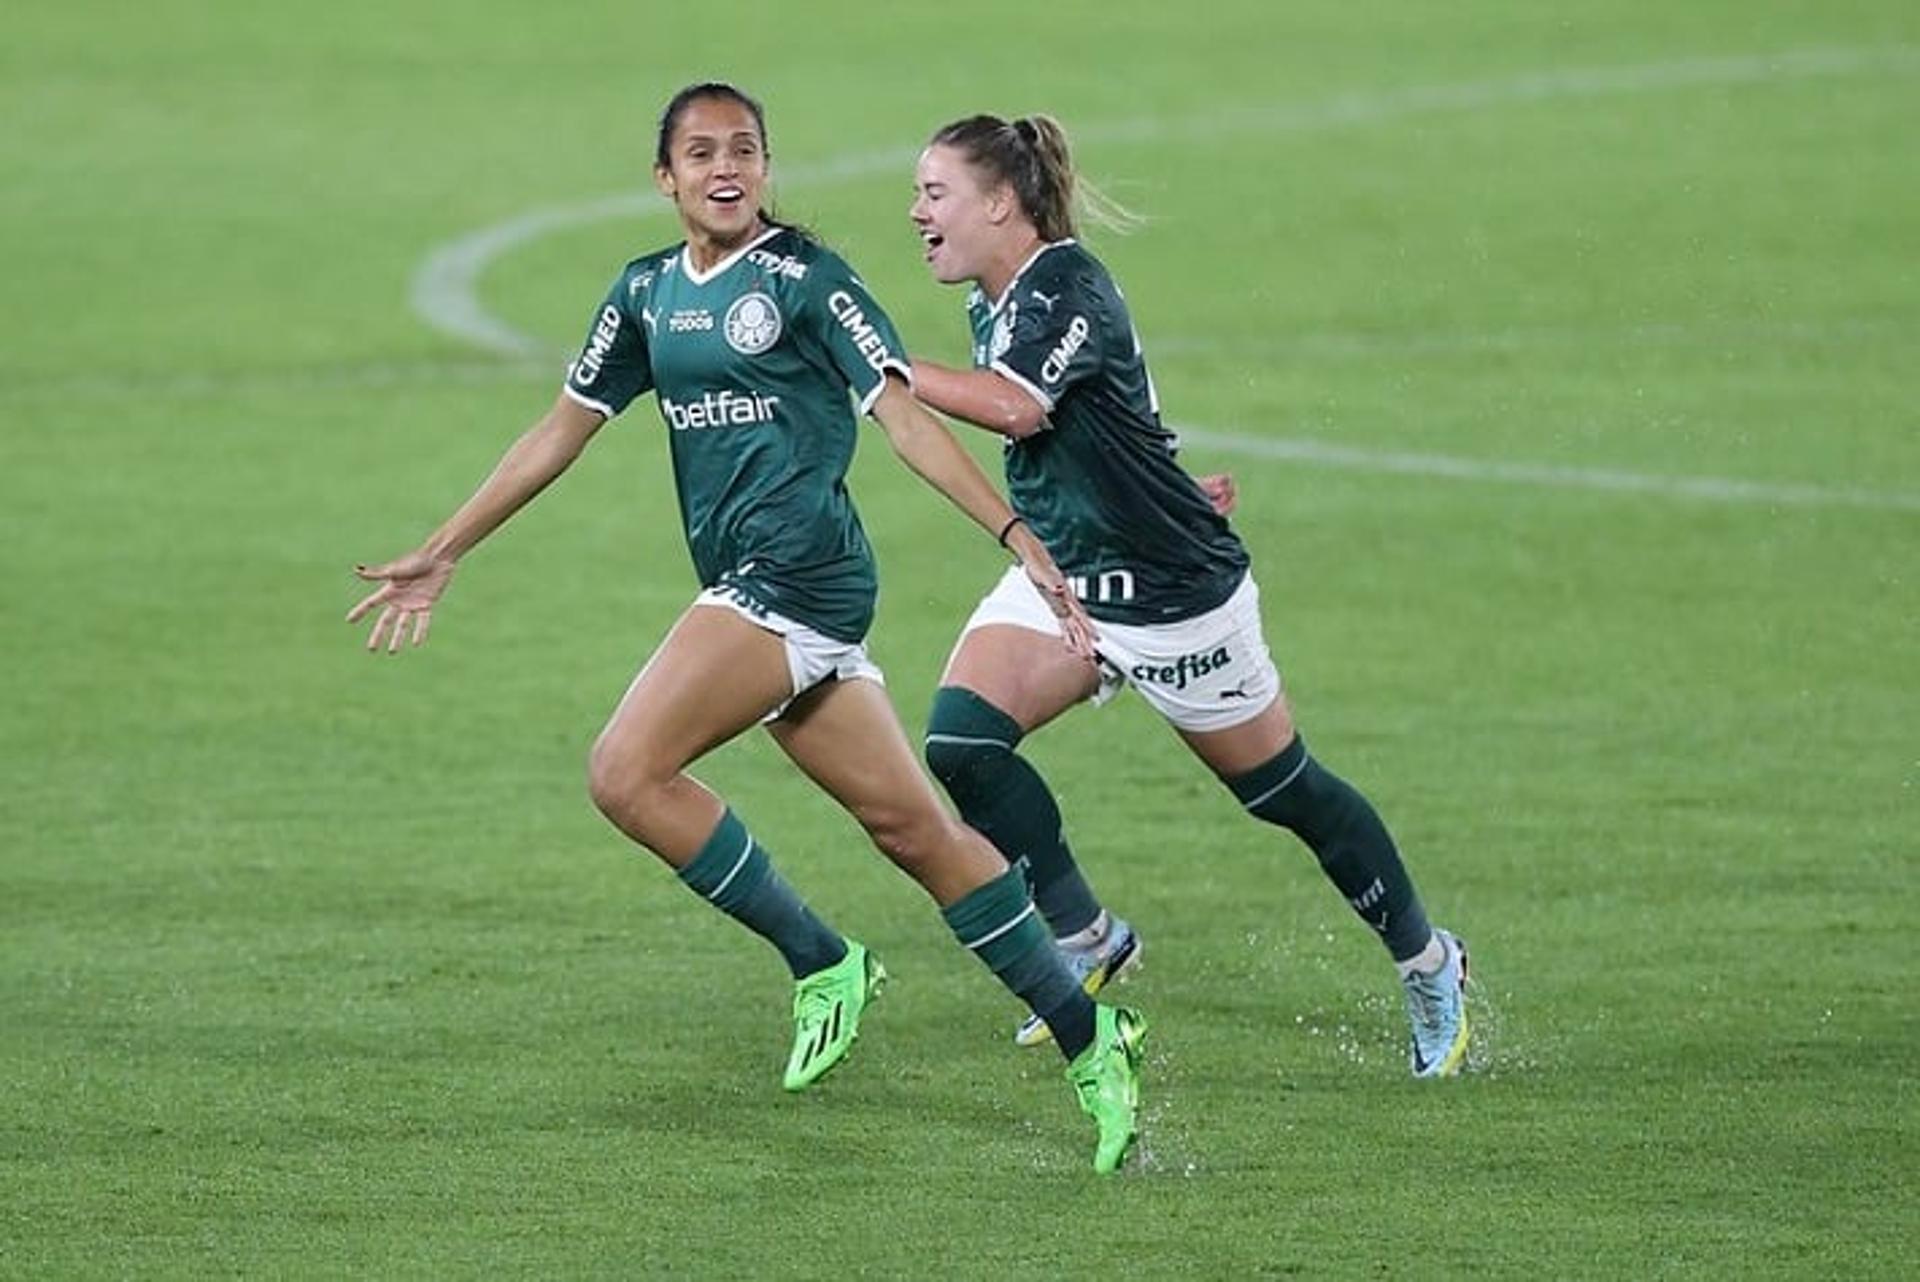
(1005, 530)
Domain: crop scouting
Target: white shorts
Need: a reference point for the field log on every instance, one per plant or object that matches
(812, 656)
(1205, 673)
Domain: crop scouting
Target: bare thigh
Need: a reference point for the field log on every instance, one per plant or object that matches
(1028, 675)
(846, 737)
(715, 675)
(1238, 749)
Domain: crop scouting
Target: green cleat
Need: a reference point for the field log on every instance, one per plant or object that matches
(826, 1014)
(1106, 1078)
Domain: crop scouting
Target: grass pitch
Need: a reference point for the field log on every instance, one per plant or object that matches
(1565, 361)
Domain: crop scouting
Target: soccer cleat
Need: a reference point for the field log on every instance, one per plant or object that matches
(1095, 967)
(1437, 1009)
(1106, 1080)
(826, 1014)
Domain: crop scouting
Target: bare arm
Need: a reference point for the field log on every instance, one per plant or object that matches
(979, 396)
(925, 445)
(990, 400)
(411, 584)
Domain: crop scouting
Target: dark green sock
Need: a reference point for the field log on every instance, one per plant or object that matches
(998, 923)
(970, 749)
(733, 873)
(1346, 835)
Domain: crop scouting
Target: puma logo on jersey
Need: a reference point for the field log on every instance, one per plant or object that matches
(1045, 300)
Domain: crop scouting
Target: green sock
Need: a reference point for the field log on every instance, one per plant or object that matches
(997, 921)
(1346, 835)
(970, 749)
(733, 873)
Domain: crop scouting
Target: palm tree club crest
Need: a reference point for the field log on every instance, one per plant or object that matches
(752, 324)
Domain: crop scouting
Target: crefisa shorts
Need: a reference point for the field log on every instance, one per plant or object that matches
(1205, 673)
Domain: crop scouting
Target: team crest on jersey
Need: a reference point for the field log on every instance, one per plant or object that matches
(1002, 337)
(752, 324)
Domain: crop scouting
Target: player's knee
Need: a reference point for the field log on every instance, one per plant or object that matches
(604, 783)
(618, 781)
(966, 737)
(953, 762)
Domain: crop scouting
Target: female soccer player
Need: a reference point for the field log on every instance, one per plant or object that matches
(1058, 371)
(752, 335)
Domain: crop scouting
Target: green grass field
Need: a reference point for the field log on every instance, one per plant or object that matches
(1564, 354)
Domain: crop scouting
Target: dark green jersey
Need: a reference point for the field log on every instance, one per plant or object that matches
(752, 363)
(1098, 483)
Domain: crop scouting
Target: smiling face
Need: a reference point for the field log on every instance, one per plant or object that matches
(966, 228)
(716, 174)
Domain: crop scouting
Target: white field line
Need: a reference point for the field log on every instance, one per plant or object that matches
(1718, 489)
(1325, 345)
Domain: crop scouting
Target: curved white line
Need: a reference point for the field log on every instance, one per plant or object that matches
(445, 293)
(445, 290)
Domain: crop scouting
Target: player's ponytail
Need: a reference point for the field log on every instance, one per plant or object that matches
(1031, 155)
(1044, 177)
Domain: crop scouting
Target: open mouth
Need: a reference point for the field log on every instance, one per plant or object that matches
(728, 196)
(932, 240)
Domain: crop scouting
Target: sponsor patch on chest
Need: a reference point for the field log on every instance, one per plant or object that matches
(689, 320)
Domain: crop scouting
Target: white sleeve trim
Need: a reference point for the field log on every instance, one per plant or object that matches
(872, 397)
(1013, 376)
(598, 406)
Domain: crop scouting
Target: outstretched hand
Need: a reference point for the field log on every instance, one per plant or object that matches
(408, 589)
(1076, 629)
(1220, 491)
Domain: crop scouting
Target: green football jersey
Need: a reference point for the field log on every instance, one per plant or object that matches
(1099, 483)
(752, 363)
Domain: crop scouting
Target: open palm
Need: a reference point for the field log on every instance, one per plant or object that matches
(409, 587)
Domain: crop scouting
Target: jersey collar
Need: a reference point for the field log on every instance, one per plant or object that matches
(701, 278)
(1032, 258)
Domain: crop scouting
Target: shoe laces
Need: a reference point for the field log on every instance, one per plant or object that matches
(1428, 998)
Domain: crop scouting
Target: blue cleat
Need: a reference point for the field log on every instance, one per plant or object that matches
(1095, 967)
(1437, 1009)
